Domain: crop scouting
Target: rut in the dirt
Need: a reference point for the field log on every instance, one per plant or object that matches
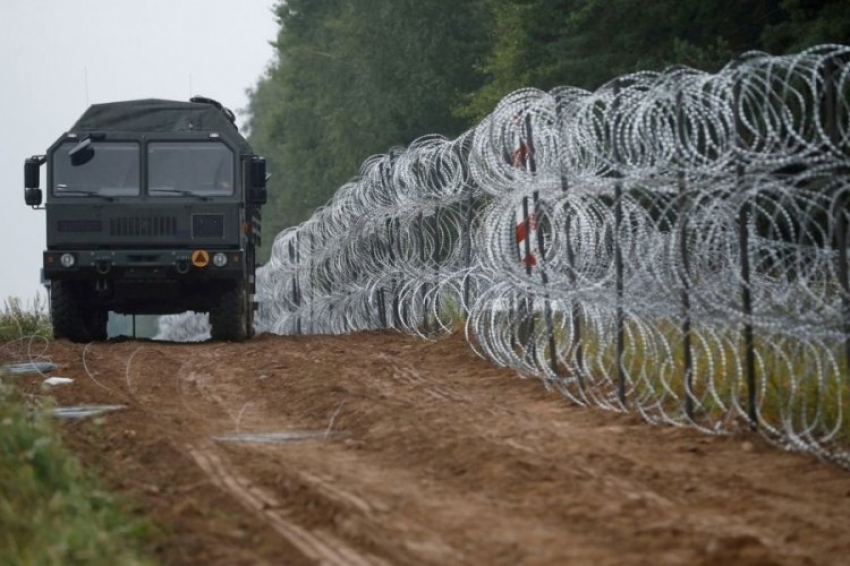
(421, 453)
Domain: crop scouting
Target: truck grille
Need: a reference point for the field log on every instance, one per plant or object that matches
(143, 226)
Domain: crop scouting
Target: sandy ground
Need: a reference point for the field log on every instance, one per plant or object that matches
(377, 448)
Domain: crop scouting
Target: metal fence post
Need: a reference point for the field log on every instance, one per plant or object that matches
(547, 308)
(467, 252)
(394, 241)
(312, 285)
(380, 299)
(744, 245)
(423, 261)
(576, 346)
(618, 260)
(295, 254)
(437, 258)
(831, 118)
(683, 211)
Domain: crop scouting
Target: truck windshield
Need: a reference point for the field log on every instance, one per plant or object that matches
(112, 172)
(193, 168)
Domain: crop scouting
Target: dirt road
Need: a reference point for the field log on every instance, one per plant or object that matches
(377, 448)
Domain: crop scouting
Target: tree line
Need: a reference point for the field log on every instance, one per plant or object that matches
(352, 78)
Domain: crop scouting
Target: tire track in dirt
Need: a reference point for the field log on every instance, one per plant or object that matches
(366, 515)
(321, 546)
(422, 453)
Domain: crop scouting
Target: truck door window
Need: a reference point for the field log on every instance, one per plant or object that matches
(197, 168)
(112, 172)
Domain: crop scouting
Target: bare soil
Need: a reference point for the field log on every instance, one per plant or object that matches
(378, 448)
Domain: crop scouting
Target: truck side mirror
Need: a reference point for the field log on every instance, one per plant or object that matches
(258, 172)
(258, 193)
(32, 180)
(259, 196)
(32, 197)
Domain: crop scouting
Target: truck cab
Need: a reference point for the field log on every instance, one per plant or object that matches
(152, 207)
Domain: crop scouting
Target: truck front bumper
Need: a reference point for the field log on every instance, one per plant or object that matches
(144, 264)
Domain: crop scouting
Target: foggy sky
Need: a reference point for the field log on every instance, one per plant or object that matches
(59, 56)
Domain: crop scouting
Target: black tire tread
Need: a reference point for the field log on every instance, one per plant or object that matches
(96, 324)
(66, 313)
(229, 318)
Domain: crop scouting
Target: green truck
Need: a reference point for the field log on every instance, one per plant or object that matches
(153, 207)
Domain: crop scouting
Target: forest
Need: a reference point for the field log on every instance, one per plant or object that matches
(354, 78)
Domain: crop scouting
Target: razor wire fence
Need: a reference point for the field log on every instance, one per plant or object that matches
(673, 243)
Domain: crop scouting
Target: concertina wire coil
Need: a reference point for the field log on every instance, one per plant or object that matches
(672, 243)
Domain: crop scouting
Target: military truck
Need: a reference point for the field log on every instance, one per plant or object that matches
(153, 207)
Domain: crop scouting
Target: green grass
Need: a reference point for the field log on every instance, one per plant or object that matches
(18, 320)
(800, 386)
(51, 512)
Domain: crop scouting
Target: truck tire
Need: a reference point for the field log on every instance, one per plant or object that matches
(230, 318)
(96, 320)
(66, 313)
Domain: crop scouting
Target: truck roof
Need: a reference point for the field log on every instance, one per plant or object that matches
(156, 115)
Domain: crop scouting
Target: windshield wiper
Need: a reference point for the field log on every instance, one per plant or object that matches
(181, 192)
(83, 192)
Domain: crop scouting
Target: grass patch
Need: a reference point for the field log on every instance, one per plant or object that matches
(801, 386)
(19, 320)
(51, 512)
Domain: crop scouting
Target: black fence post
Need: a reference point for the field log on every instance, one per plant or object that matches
(744, 244)
(547, 308)
(575, 328)
(831, 118)
(839, 216)
(395, 240)
(576, 346)
(380, 299)
(423, 261)
(295, 258)
(437, 259)
(747, 306)
(467, 252)
(312, 285)
(683, 210)
(618, 257)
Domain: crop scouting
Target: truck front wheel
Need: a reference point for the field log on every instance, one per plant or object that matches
(97, 319)
(66, 312)
(230, 318)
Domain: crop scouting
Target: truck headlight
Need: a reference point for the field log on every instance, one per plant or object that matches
(67, 260)
(219, 259)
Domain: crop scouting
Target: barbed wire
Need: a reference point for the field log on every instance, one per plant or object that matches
(672, 243)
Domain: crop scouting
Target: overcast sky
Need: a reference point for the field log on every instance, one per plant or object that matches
(59, 56)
